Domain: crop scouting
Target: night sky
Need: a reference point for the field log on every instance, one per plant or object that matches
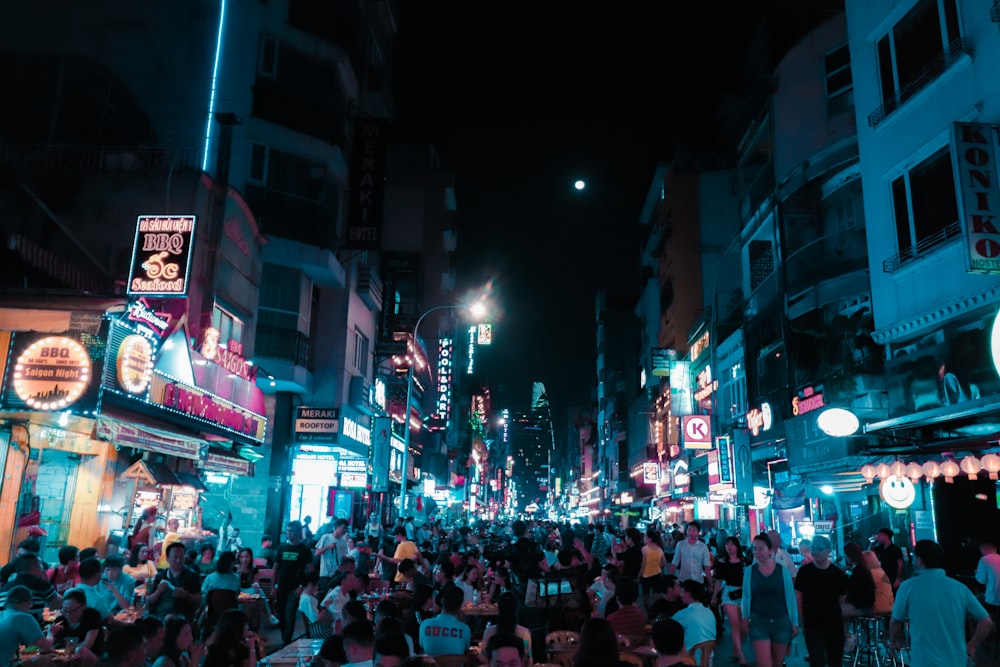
(523, 98)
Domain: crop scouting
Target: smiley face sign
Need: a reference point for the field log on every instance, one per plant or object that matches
(897, 492)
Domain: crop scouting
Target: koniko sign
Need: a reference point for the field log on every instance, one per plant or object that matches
(975, 167)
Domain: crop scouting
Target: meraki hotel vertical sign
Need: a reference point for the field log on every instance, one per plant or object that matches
(161, 256)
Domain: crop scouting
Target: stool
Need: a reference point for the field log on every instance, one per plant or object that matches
(872, 650)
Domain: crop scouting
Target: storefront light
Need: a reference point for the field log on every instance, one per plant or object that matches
(971, 466)
(991, 464)
(950, 470)
(838, 422)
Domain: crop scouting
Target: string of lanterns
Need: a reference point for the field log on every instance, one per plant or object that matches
(949, 469)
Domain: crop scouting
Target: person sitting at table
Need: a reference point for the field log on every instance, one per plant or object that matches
(155, 634)
(445, 634)
(248, 572)
(95, 592)
(331, 653)
(391, 649)
(179, 646)
(411, 577)
(206, 559)
(630, 619)
(668, 600)
(29, 573)
(471, 583)
(603, 590)
(506, 650)
(18, 627)
(127, 647)
(598, 645)
(119, 588)
(507, 624)
(444, 576)
(698, 620)
(348, 588)
(176, 590)
(29, 546)
(359, 644)
(668, 639)
(172, 535)
(388, 626)
(233, 644)
(224, 578)
(139, 566)
(78, 629)
(318, 619)
(501, 583)
(424, 607)
(66, 575)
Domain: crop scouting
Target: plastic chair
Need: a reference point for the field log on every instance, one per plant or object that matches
(265, 579)
(703, 652)
(216, 602)
(562, 639)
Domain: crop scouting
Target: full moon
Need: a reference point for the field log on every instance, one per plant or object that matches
(580, 185)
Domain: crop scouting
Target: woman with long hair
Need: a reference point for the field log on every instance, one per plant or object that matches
(629, 554)
(470, 582)
(507, 624)
(233, 644)
(883, 587)
(861, 587)
(139, 565)
(728, 576)
(179, 646)
(653, 562)
(598, 645)
(770, 612)
(247, 571)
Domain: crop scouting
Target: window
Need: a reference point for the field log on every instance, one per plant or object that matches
(258, 162)
(924, 205)
(360, 351)
(839, 84)
(229, 326)
(920, 47)
(268, 65)
(761, 258)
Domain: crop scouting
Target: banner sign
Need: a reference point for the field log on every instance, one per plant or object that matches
(724, 445)
(221, 463)
(681, 383)
(662, 357)
(128, 435)
(161, 255)
(697, 430)
(974, 158)
(381, 432)
(204, 407)
(743, 467)
(366, 193)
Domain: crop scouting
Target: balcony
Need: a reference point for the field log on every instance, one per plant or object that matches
(293, 217)
(914, 252)
(283, 344)
(828, 257)
(931, 71)
(370, 288)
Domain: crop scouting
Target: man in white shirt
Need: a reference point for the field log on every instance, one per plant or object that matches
(692, 561)
(988, 574)
(697, 619)
(331, 550)
(341, 595)
(92, 587)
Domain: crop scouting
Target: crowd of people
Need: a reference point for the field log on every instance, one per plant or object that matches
(398, 595)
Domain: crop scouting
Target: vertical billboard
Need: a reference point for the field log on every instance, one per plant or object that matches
(367, 191)
(681, 396)
(974, 156)
(161, 255)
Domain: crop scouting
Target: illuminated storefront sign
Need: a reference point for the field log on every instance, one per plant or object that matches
(897, 492)
(357, 432)
(808, 400)
(52, 373)
(202, 406)
(353, 472)
(134, 364)
(760, 419)
(140, 313)
(161, 256)
(312, 424)
(650, 472)
(228, 355)
(484, 334)
(706, 384)
(378, 393)
(472, 350)
(697, 431)
(445, 363)
(699, 346)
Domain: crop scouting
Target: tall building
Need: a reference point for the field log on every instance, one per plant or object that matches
(531, 447)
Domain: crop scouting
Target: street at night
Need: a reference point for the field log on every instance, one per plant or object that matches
(449, 333)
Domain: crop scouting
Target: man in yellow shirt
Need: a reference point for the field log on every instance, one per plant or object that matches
(404, 549)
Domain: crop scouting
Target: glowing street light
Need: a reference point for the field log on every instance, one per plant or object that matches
(478, 311)
(580, 185)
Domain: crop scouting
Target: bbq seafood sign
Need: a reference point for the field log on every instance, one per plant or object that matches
(161, 256)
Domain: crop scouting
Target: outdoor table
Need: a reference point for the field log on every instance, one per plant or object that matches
(483, 609)
(253, 606)
(647, 653)
(300, 649)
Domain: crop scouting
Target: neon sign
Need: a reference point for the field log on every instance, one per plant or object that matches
(809, 400)
(229, 356)
(135, 364)
(760, 419)
(445, 362)
(52, 373)
(161, 255)
(472, 349)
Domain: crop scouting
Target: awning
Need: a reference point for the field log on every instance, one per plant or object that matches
(150, 439)
(221, 462)
(946, 413)
(157, 474)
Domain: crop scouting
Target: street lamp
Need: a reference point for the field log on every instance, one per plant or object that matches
(478, 309)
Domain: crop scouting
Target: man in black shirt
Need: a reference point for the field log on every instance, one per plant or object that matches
(175, 590)
(820, 588)
(890, 556)
(670, 603)
(24, 547)
(291, 563)
(29, 573)
(526, 559)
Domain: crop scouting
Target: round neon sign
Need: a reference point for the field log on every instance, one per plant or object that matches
(135, 364)
(897, 492)
(52, 373)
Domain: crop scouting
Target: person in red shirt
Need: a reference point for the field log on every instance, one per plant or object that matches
(67, 574)
(630, 619)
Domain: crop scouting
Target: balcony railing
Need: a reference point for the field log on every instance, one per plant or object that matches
(828, 257)
(893, 263)
(103, 158)
(286, 344)
(931, 71)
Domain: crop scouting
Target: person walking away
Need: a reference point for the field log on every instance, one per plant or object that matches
(728, 577)
(936, 608)
(653, 563)
(820, 589)
(890, 556)
(770, 613)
